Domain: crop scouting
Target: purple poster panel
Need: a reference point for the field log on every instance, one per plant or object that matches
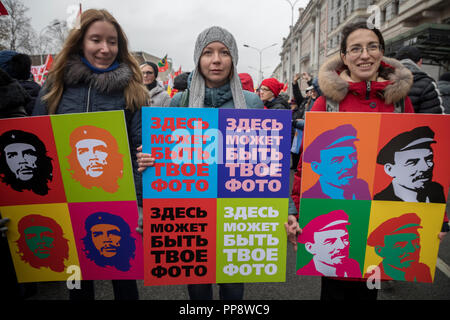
(256, 153)
(107, 242)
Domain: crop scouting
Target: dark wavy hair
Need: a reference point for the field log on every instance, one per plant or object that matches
(41, 177)
(126, 252)
(349, 28)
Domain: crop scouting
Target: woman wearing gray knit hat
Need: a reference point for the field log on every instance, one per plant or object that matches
(215, 81)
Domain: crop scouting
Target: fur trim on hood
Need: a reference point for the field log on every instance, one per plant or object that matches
(335, 86)
(77, 72)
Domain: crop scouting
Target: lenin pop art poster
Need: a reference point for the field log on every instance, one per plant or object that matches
(374, 190)
(70, 196)
(216, 201)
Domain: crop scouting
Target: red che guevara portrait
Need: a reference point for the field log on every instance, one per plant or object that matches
(42, 243)
(29, 167)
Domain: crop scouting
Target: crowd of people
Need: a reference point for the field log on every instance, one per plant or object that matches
(96, 72)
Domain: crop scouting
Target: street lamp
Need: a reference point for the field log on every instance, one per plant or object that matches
(291, 35)
(260, 51)
(292, 10)
(262, 70)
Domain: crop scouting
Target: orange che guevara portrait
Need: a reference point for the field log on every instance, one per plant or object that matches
(95, 160)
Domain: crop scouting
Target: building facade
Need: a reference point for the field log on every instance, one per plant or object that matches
(316, 35)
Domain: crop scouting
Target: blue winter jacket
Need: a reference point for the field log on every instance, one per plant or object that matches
(86, 91)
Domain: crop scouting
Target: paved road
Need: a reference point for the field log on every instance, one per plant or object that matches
(295, 287)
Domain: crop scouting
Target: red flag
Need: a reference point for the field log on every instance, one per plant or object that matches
(78, 19)
(178, 72)
(3, 11)
(48, 65)
(285, 87)
(40, 72)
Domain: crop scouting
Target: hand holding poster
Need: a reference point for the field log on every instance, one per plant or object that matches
(216, 200)
(374, 193)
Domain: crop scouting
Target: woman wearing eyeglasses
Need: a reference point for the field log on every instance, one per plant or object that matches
(360, 79)
(158, 96)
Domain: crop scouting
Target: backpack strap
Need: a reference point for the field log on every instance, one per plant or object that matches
(399, 106)
(331, 105)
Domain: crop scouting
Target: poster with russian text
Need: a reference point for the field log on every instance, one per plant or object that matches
(216, 201)
(374, 192)
(67, 187)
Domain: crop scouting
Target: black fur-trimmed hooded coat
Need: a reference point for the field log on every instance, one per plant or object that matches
(13, 97)
(424, 93)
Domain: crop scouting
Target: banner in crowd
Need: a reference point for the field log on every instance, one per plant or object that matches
(216, 201)
(67, 187)
(40, 73)
(374, 190)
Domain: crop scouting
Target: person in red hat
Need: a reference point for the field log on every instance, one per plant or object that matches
(397, 242)
(270, 94)
(326, 238)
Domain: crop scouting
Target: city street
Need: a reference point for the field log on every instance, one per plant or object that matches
(295, 287)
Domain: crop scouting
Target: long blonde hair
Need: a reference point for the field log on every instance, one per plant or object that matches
(136, 94)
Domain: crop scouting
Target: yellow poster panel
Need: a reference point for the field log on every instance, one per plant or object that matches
(41, 241)
(402, 242)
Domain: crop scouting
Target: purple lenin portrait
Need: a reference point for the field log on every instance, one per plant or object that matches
(334, 158)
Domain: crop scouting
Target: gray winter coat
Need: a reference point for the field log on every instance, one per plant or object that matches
(86, 91)
(159, 97)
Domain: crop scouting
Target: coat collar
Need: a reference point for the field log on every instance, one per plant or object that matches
(335, 85)
(77, 72)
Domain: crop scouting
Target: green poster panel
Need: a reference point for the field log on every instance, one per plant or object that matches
(94, 156)
(358, 213)
(251, 240)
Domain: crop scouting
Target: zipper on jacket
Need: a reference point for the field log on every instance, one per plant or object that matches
(368, 86)
(88, 98)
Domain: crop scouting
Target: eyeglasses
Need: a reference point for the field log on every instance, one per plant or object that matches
(356, 51)
(147, 73)
(264, 89)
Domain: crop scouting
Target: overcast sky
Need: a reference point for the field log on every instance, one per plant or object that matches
(171, 27)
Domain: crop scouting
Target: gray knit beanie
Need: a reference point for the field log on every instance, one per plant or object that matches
(197, 87)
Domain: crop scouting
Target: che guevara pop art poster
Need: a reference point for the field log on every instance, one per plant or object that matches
(374, 190)
(216, 201)
(67, 187)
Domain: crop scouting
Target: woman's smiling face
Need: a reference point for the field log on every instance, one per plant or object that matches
(100, 44)
(363, 66)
